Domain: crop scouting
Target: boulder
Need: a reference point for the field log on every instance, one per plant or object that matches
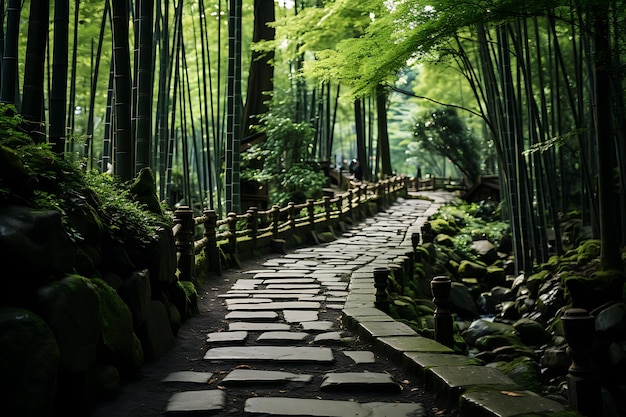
(531, 333)
(137, 293)
(485, 251)
(443, 240)
(611, 319)
(461, 301)
(29, 360)
(483, 327)
(27, 234)
(469, 269)
(71, 309)
(524, 371)
(116, 324)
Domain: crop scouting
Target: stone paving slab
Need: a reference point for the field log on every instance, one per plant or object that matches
(257, 327)
(360, 356)
(328, 337)
(189, 376)
(415, 343)
(278, 336)
(490, 403)
(196, 402)
(296, 305)
(281, 406)
(321, 325)
(384, 329)
(272, 353)
(227, 337)
(361, 381)
(252, 376)
(289, 281)
(252, 315)
(292, 286)
(299, 316)
(255, 300)
(420, 362)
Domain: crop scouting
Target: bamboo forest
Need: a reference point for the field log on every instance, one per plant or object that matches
(201, 92)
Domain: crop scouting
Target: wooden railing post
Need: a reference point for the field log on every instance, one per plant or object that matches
(210, 250)
(340, 207)
(185, 242)
(232, 227)
(362, 201)
(291, 211)
(440, 287)
(381, 276)
(583, 387)
(327, 208)
(349, 204)
(275, 221)
(311, 211)
(253, 224)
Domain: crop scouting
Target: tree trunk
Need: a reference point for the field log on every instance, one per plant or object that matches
(610, 256)
(233, 111)
(58, 95)
(8, 90)
(260, 78)
(143, 81)
(383, 133)
(32, 105)
(123, 164)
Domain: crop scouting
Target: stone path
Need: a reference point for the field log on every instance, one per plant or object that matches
(287, 317)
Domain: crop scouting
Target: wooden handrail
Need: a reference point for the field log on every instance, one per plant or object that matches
(273, 222)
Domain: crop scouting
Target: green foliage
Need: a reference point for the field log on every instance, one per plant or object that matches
(442, 131)
(473, 221)
(284, 160)
(127, 220)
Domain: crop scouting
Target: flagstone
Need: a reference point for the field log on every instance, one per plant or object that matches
(196, 401)
(328, 337)
(252, 315)
(257, 327)
(253, 376)
(227, 337)
(360, 356)
(279, 305)
(378, 381)
(282, 336)
(299, 316)
(272, 353)
(189, 376)
(282, 406)
(321, 325)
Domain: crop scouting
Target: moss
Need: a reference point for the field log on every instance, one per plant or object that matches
(588, 250)
(422, 254)
(116, 327)
(524, 371)
(441, 226)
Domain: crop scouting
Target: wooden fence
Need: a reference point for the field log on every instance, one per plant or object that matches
(257, 230)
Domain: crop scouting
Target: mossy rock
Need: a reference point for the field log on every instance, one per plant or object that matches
(534, 281)
(493, 341)
(443, 226)
(495, 277)
(143, 190)
(117, 329)
(29, 359)
(422, 254)
(443, 240)
(469, 269)
(591, 292)
(71, 307)
(524, 371)
(405, 310)
(588, 250)
(552, 265)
